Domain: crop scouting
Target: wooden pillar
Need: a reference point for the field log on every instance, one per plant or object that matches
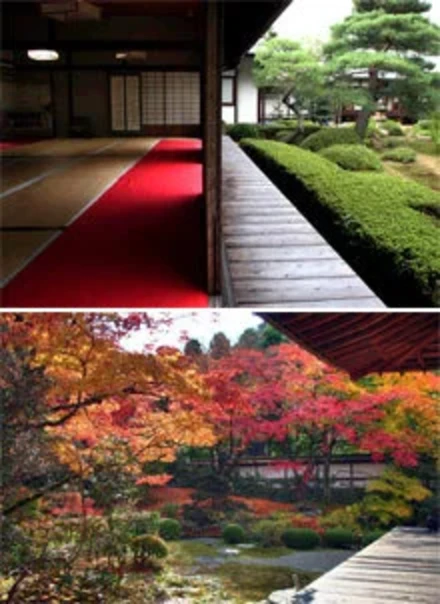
(211, 109)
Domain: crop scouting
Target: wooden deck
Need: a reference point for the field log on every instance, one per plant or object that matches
(403, 566)
(272, 256)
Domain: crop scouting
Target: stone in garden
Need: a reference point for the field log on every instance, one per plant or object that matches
(229, 551)
(246, 545)
(284, 596)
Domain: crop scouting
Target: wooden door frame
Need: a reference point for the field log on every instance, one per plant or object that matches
(211, 128)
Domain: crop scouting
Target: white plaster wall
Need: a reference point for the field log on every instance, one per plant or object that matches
(228, 114)
(247, 93)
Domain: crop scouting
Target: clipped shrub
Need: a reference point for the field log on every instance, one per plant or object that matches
(233, 534)
(268, 532)
(402, 155)
(149, 546)
(339, 537)
(377, 221)
(285, 136)
(371, 536)
(300, 538)
(423, 125)
(357, 158)
(170, 529)
(309, 128)
(239, 131)
(169, 510)
(144, 523)
(391, 142)
(393, 128)
(327, 137)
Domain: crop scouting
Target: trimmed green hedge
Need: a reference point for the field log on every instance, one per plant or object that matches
(370, 537)
(376, 221)
(403, 155)
(170, 529)
(393, 128)
(327, 137)
(339, 537)
(233, 534)
(357, 158)
(300, 538)
(239, 131)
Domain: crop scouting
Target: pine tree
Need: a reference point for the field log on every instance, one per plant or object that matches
(388, 41)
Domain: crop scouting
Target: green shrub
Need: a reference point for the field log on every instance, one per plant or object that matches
(268, 532)
(300, 538)
(285, 136)
(434, 130)
(327, 137)
(149, 546)
(375, 220)
(391, 142)
(393, 128)
(309, 128)
(403, 155)
(357, 158)
(170, 529)
(233, 534)
(423, 125)
(339, 537)
(371, 536)
(169, 510)
(144, 523)
(239, 131)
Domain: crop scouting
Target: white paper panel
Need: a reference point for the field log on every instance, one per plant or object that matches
(133, 110)
(118, 103)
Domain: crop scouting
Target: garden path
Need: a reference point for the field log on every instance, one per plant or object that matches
(319, 561)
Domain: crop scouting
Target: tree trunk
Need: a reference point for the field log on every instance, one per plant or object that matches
(366, 112)
(362, 122)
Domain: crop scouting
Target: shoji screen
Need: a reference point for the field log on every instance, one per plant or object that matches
(125, 103)
(183, 98)
(132, 103)
(153, 97)
(118, 103)
(170, 98)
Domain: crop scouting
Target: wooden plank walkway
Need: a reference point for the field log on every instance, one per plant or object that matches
(272, 256)
(403, 566)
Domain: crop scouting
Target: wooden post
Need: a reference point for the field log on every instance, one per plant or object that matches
(211, 113)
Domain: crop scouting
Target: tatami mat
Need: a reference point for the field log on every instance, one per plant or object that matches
(17, 247)
(57, 199)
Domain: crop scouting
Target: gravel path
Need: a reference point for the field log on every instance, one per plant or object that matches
(314, 561)
(320, 562)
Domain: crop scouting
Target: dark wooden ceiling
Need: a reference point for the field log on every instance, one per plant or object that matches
(244, 21)
(114, 8)
(363, 343)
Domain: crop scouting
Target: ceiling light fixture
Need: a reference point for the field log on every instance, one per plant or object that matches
(121, 55)
(43, 55)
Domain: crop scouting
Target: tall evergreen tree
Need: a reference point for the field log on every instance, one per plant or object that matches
(388, 42)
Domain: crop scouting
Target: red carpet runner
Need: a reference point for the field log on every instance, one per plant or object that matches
(140, 245)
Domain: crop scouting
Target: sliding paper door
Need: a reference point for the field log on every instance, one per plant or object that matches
(125, 103)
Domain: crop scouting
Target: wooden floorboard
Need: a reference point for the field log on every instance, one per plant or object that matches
(403, 566)
(274, 256)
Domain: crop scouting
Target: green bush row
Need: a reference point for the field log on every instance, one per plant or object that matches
(327, 137)
(393, 128)
(402, 155)
(376, 221)
(272, 532)
(284, 130)
(356, 158)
